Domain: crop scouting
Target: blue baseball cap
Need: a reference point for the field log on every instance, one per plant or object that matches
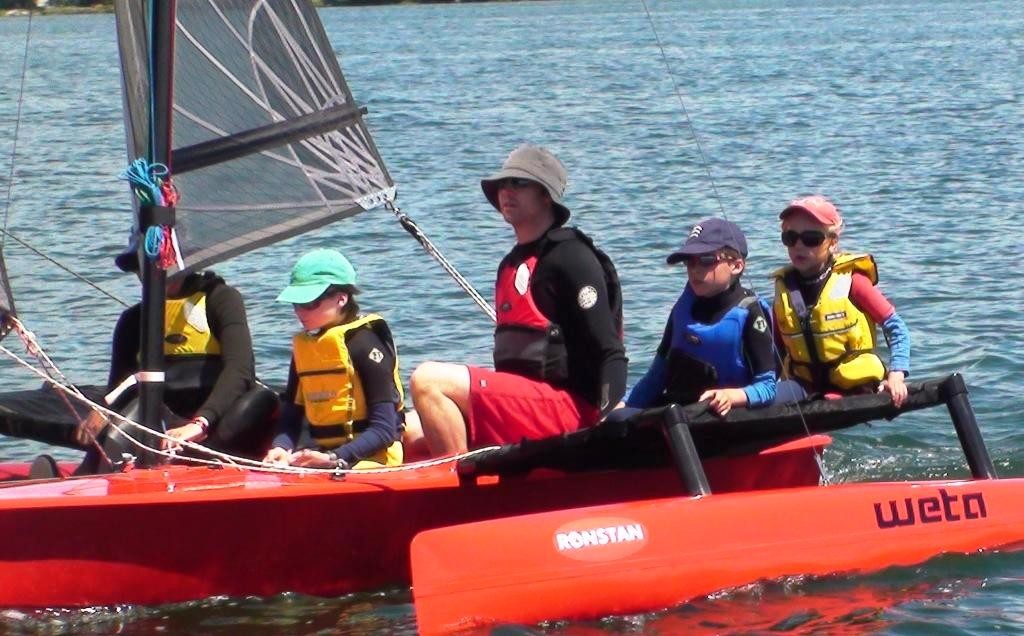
(708, 236)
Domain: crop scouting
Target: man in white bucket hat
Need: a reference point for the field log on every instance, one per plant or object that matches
(559, 360)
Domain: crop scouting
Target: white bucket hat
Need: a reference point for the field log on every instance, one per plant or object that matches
(537, 164)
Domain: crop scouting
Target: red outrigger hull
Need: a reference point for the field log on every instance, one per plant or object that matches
(648, 555)
(180, 533)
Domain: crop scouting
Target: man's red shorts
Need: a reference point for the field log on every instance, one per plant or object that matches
(505, 408)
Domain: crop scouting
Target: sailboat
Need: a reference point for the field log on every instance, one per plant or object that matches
(246, 133)
(240, 99)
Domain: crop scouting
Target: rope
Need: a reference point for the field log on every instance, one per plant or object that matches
(152, 184)
(428, 246)
(818, 455)
(5, 232)
(221, 459)
(34, 349)
(679, 96)
(145, 179)
(52, 372)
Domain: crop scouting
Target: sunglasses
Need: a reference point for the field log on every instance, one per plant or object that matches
(810, 238)
(516, 183)
(313, 304)
(704, 260)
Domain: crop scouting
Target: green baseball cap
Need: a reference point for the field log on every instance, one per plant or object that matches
(314, 273)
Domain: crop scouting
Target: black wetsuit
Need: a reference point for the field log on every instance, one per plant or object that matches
(596, 356)
(223, 388)
(235, 369)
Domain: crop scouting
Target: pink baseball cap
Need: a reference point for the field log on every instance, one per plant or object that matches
(818, 207)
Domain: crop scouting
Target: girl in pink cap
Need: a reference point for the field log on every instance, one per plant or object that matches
(827, 309)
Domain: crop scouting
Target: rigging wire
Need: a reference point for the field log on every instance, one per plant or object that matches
(410, 226)
(682, 105)
(818, 454)
(4, 232)
(17, 123)
(218, 458)
(53, 374)
(7, 233)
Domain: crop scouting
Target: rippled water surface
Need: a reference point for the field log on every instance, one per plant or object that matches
(908, 114)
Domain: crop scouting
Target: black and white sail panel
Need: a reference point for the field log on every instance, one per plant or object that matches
(268, 141)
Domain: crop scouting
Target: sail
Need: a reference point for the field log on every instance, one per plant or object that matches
(268, 142)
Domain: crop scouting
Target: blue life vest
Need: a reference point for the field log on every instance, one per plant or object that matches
(718, 346)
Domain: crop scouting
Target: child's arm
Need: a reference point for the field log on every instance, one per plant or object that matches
(898, 338)
(375, 364)
(759, 350)
(873, 302)
(646, 392)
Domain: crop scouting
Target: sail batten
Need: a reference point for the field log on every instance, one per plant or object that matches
(256, 140)
(268, 141)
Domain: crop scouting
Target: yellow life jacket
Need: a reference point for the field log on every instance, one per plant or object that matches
(332, 392)
(186, 328)
(832, 344)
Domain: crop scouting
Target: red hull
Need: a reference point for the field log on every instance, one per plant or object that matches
(648, 555)
(159, 536)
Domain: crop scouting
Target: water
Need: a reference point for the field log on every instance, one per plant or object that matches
(908, 114)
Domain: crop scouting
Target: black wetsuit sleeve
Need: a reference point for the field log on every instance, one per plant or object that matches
(124, 350)
(228, 322)
(758, 344)
(571, 288)
(291, 388)
(666, 339)
(375, 364)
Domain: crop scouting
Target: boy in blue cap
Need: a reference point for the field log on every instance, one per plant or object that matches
(717, 345)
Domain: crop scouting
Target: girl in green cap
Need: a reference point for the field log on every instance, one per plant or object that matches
(342, 406)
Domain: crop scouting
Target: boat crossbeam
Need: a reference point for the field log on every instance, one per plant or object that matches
(685, 458)
(954, 390)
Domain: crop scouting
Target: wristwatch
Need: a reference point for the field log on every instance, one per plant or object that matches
(339, 463)
(203, 423)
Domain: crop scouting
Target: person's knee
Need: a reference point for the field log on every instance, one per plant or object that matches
(789, 391)
(421, 379)
(247, 427)
(256, 407)
(430, 376)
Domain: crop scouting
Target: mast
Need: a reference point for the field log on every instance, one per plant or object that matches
(248, 112)
(154, 278)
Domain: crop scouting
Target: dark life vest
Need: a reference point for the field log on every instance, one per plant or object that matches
(706, 356)
(526, 342)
